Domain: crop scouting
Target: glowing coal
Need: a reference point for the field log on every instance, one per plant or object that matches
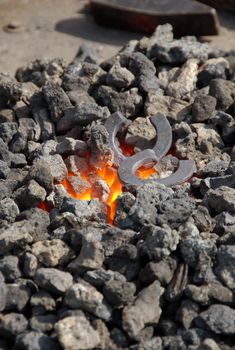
(108, 164)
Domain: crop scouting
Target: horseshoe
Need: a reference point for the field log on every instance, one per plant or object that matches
(164, 135)
(127, 170)
(127, 166)
(114, 124)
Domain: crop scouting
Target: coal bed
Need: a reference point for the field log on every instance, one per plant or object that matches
(117, 199)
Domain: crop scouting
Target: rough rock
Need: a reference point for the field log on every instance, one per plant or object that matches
(85, 297)
(206, 135)
(52, 252)
(193, 243)
(30, 265)
(184, 81)
(7, 115)
(221, 199)
(12, 324)
(76, 332)
(224, 269)
(8, 210)
(82, 115)
(218, 319)
(215, 168)
(223, 91)
(205, 294)
(42, 302)
(187, 312)
(56, 99)
(124, 203)
(10, 89)
(34, 221)
(7, 131)
(129, 103)
(43, 323)
(145, 309)
(14, 236)
(225, 223)
(119, 293)
(125, 260)
(144, 72)
(56, 166)
(35, 340)
(29, 195)
(71, 146)
(84, 210)
(209, 344)
(41, 173)
(174, 109)
(157, 242)
(78, 184)
(100, 190)
(98, 277)
(178, 51)
(76, 164)
(162, 271)
(53, 280)
(119, 77)
(41, 71)
(17, 296)
(203, 108)
(144, 209)
(225, 121)
(4, 169)
(140, 133)
(91, 255)
(202, 219)
(101, 153)
(214, 68)
(9, 266)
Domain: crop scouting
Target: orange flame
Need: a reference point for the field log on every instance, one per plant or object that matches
(110, 176)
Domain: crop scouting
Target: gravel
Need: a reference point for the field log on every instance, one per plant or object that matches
(161, 275)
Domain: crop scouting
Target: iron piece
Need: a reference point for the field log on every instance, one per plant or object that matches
(127, 166)
(164, 135)
(188, 17)
(183, 173)
(113, 125)
(127, 170)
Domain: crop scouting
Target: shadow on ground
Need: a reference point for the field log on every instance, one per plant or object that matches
(86, 28)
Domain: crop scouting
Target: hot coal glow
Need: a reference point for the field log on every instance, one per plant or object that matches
(101, 174)
(110, 175)
(96, 175)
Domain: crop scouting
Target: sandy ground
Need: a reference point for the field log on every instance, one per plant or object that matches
(50, 28)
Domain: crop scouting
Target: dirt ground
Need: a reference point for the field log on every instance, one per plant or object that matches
(50, 28)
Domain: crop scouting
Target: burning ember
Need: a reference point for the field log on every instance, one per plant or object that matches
(106, 182)
(107, 190)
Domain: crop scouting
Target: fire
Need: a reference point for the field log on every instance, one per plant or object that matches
(110, 175)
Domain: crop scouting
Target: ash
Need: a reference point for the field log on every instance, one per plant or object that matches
(162, 276)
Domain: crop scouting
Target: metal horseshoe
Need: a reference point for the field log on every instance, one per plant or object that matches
(127, 166)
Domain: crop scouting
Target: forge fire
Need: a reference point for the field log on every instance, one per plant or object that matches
(108, 165)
